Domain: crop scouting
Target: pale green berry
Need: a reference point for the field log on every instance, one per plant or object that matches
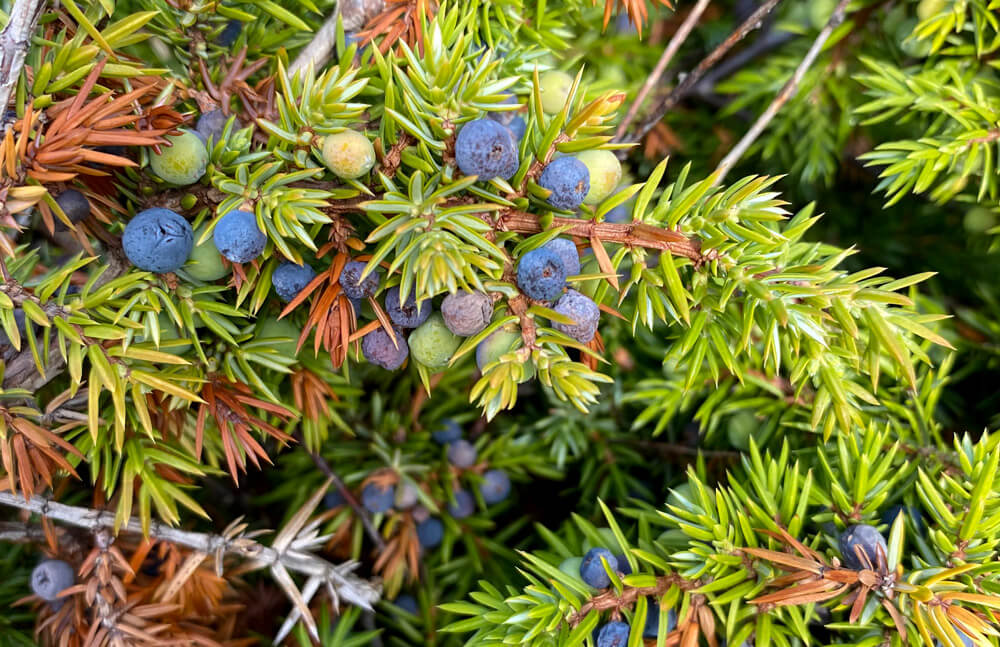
(181, 163)
(930, 8)
(349, 154)
(605, 174)
(979, 219)
(608, 541)
(274, 328)
(205, 262)
(432, 344)
(554, 87)
(168, 333)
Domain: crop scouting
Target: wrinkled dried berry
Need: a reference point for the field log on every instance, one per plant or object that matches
(467, 313)
(379, 349)
(406, 314)
(584, 313)
(354, 286)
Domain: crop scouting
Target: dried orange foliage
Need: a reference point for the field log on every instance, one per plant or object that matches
(229, 404)
(330, 313)
(402, 551)
(636, 10)
(311, 393)
(400, 20)
(257, 100)
(65, 147)
(31, 454)
(132, 592)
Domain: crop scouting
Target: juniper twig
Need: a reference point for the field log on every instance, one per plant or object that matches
(359, 511)
(787, 92)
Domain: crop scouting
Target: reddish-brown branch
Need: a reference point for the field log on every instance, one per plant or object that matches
(632, 234)
(610, 600)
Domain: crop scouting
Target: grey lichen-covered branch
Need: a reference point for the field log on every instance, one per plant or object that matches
(14, 41)
(291, 551)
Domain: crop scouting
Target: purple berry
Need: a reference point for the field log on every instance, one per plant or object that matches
(462, 453)
(868, 539)
(541, 274)
(353, 285)
(463, 506)
(613, 634)
(592, 571)
(158, 240)
(566, 251)
(517, 127)
(289, 279)
(467, 313)
(652, 628)
(486, 149)
(238, 238)
(505, 117)
(405, 315)
(378, 498)
(50, 578)
(430, 532)
(569, 181)
(583, 311)
(495, 486)
(378, 349)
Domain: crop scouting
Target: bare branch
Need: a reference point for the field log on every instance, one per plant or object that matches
(14, 41)
(293, 557)
(787, 92)
(675, 43)
(361, 513)
(755, 21)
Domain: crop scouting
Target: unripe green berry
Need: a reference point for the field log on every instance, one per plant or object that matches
(930, 8)
(432, 344)
(272, 327)
(205, 262)
(741, 428)
(979, 219)
(349, 154)
(605, 174)
(554, 87)
(181, 163)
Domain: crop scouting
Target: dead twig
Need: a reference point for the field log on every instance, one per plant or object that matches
(787, 92)
(755, 21)
(14, 41)
(361, 513)
(675, 43)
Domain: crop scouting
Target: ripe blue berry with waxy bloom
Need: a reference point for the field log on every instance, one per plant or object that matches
(566, 251)
(467, 313)
(592, 570)
(462, 453)
(75, 205)
(378, 498)
(517, 127)
(333, 499)
(430, 532)
(50, 578)
(405, 314)
(541, 274)
(623, 566)
(205, 262)
(568, 180)
(652, 627)
(449, 434)
(618, 215)
(289, 279)
(211, 124)
(379, 349)
(158, 240)
(229, 33)
(868, 539)
(407, 603)
(911, 513)
(584, 313)
(353, 285)
(238, 238)
(486, 149)
(613, 634)
(463, 506)
(504, 117)
(495, 486)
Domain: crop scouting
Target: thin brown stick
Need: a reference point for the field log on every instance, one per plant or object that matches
(787, 92)
(361, 513)
(675, 43)
(14, 41)
(755, 21)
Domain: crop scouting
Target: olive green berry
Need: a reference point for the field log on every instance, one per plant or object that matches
(349, 154)
(432, 344)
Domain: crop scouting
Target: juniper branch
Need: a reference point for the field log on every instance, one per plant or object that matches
(787, 92)
(351, 587)
(359, 511)
(14, 41)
